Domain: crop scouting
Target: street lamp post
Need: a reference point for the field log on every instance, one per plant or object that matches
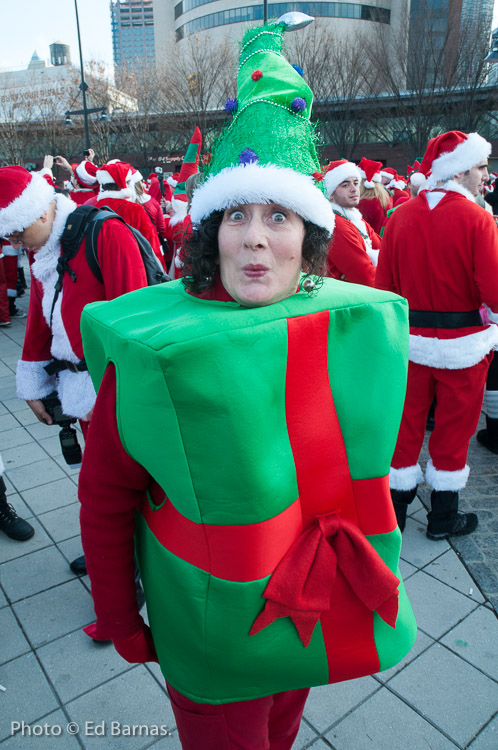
(83, 84)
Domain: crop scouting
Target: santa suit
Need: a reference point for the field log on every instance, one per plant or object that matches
(134, 215)
(354, 248)
(177, 228)
(11, 257)
(372, 211)
(440, 251)
(123, 271)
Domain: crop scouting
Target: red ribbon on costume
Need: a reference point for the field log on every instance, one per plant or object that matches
(302, 584)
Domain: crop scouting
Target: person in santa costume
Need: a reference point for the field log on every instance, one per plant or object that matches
(244, 456)
(179, 223)
(440, 251)
(354, 248)
(33, 215)
(375, 201)
(117, 193)
(82, 182)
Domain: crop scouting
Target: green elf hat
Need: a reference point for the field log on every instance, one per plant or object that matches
(267, 154)
(190, 166)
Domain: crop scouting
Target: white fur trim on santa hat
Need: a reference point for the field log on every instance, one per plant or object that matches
(406, 478)
(334, 177)
(444, 481)
(417, 179)
(32, 381)
(180, 208)
(171, 181)
(466, 155)
(258, 183)
(27, 207)
(84, 175)
(124, 193)
(453, 354)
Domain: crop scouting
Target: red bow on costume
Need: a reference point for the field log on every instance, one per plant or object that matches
(302, 584)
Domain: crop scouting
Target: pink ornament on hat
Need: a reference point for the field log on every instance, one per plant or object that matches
(338, 171)
(24, 198)
(453, 152)
(371, 172)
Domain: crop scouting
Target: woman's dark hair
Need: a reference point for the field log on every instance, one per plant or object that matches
(201, 253)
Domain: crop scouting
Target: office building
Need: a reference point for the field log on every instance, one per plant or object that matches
(132, 24)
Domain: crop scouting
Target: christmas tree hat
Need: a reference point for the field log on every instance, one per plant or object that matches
(267, 154)
(190, 166)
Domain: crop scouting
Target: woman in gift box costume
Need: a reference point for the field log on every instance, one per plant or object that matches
(241, 443)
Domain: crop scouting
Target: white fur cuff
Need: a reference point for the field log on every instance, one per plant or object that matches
(406, 478)
(442, 481)
(32, 380)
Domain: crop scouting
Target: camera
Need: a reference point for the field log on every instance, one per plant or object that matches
(158, 170)
(68, 437)
(86, 152)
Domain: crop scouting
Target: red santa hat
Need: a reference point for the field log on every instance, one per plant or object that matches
(117, 173)
(451, 153)
(24, 197)
(136, 176)
(172, 180)
(415, 176)
(190, 166)
(85, 174)
(338, 171)
(370, 171)
(389, 173)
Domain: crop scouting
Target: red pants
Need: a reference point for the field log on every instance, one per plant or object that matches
(4, 300)
(269, 723)
(459, 395)
(11, 274)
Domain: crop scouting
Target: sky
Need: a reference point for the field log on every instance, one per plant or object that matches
(29, 25)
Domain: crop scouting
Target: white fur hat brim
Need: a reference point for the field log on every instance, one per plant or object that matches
(334, 177)
(466, 155)
(88, 179)
(258, 183)
(27, 207)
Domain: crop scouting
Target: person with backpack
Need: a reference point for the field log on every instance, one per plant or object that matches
(32, 215)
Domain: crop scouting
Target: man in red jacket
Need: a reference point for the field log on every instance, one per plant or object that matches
(33, 215)
(440, 251)
(354, 248)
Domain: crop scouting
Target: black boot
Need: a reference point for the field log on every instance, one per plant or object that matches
(444, 520)
(21, 278)
(14, 311)
(78, 566)
(489, 436)
(15, 527)
(401, 500)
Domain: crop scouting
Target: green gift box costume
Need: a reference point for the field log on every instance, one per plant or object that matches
(268, 545)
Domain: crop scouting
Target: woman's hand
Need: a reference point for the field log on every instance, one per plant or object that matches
(61, 162)
(137, 648)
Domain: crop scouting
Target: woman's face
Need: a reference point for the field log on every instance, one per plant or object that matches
(261, 253)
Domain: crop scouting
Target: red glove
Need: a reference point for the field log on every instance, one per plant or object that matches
(137, 648)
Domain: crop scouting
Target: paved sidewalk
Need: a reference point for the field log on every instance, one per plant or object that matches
(444, 695)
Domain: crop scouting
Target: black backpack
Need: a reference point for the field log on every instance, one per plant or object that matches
(86, 222)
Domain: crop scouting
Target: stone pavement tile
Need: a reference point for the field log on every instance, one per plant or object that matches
(66, 467)
(416, 548)
(487, 739)
(34, 474)
(327, 704)
(305, 736)
(10, 549)
(8, 391)
(55, 612)
(476, 640)
(406, 569)
(62, 523)
(3, 409)
(25, 416)
(39, 430)
(457, 698)
(10, 488)
(29, 738)
(421, 644)
(51, 445)
(132, 698)
(76, 664)
(3, 598)
(15, 404)
(8, 422)
(384, 722)
(28, 695)
(13, 641)
(71, 549)
(34, 573)
(437, 607)
(10, 348)
(21, 455)
(450, 570)
(4, 370)
(172, 742)
(16, 436)
(51, 495)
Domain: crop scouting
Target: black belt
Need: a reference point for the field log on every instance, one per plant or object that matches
(436, 319)
(57, 365)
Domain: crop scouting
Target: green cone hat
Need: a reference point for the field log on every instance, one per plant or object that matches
(268, 152)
